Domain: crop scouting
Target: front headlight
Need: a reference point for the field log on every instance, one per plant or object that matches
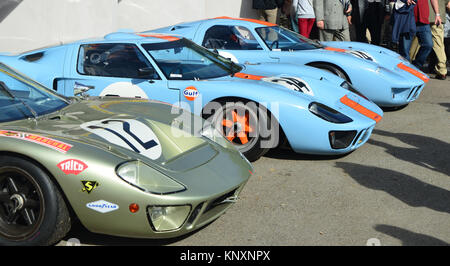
(147, 178)
(167, 218)
(214, 135)
(328, 113)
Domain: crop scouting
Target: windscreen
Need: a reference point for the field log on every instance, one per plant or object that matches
(185, 60)
(21, 97)
(277, 38)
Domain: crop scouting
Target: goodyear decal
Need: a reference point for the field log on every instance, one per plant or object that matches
(191, 93)
(89, 186)
(72, 166)
(48, 142)
(102, 206)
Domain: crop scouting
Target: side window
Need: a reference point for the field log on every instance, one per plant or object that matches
(230, 38)
(114, 60)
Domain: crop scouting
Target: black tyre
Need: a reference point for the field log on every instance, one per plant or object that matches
(32, 210)
(332, 69)
(247, 126)
(394, 108)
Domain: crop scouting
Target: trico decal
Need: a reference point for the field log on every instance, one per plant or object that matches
(102, 206)
(89, 186)
(191, 93)
(48, 142)
(72, 166)
(127, 133)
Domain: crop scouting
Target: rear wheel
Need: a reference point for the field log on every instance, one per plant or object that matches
(32, 210)
(246, 126)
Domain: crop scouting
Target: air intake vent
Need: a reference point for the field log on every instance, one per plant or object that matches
(33, 57)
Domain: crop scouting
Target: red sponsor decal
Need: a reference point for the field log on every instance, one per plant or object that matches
(48, 142)
(72, 166)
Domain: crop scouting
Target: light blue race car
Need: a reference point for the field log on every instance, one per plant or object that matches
(256, 106)
(380, 74)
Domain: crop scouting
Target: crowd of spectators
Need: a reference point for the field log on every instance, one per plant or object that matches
(419, 30)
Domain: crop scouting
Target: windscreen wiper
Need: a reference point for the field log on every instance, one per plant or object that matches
(8, 91)
(236, 68)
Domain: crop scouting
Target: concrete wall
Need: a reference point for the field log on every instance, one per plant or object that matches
(30, 24)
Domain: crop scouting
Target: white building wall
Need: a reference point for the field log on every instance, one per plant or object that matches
(36, 23)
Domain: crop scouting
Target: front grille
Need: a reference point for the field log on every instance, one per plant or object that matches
(412, 93)
(220, 200)
(341, 139)
(357, 137)
(415, 92)
(194, 214)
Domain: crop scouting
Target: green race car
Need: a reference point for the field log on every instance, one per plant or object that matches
(124, 167)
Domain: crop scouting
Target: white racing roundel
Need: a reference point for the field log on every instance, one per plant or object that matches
(127, 133)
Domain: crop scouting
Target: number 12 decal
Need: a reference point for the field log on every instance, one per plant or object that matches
(128, 133)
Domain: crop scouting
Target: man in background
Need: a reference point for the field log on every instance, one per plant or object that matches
(447, 34)
(369, 14)
(268, 10)
(437, 21)
(423, 31)
(333, 19)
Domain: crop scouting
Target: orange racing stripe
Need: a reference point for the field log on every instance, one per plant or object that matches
(161, 36)
(249, 20)
(413, 71)
(248, 76)
(335, 49)
(360, 109)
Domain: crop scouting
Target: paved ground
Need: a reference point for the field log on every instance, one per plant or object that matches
(396, 188)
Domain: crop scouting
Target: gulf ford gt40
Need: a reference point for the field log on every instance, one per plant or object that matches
(256, 106)
(116, 164)
(380, 74)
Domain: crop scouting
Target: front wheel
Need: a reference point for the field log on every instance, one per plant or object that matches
(249, 127)
(332, 69)
(32, 210)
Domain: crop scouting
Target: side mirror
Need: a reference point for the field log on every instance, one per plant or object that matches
(81, 89)
(146, 72)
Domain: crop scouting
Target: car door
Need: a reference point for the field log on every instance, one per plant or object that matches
(235, 42)
(179, 65)
(116, 69)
